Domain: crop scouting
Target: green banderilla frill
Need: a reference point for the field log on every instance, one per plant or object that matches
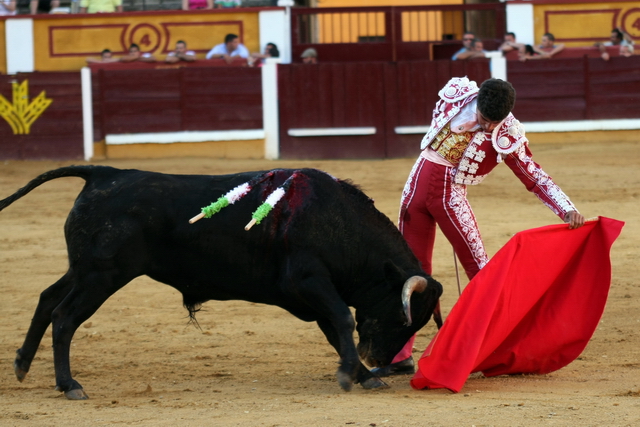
(262, 212)
(215, 207)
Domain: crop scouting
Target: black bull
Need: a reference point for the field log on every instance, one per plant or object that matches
(322, 249)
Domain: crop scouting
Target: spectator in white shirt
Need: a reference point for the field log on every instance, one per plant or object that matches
(229, 49)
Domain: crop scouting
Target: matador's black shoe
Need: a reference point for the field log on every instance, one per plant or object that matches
(403, 367)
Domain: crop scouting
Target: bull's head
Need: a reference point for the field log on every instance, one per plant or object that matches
(385, 326)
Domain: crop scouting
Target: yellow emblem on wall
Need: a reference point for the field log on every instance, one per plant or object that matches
(21, 114)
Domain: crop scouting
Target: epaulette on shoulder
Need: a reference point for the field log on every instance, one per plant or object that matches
(508, 136)
(458, 88)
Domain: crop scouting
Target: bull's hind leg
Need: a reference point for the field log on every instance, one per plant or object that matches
(81, 303)
(49, 300)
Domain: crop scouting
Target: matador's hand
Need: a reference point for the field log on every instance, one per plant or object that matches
(574, 219)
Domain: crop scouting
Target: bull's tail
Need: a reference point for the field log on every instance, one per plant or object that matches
(83, 172)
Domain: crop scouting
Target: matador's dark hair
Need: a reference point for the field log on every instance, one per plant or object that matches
(496, 99)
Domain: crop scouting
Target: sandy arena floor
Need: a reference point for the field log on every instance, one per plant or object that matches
(255, 365)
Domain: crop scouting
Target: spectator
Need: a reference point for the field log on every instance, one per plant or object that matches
(510, 44)
(100, 6)
(181, 53)
(225, 4)
(619, 37)
(548, 48)
(270, 51)
(136, 55)
(197, 4)
(465, 51)
(229, 49)
(478, 47)
(8, 7)
(475, 50)
(625, 50)
(526, 52)
(105, 56)
(43, 6)
(309, 56)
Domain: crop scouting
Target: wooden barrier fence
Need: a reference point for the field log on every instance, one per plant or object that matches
(173, 100)
(576, 88)
(328, 110)
(329, 103)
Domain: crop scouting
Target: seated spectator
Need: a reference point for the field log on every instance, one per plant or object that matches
(478, 47)
(105, 56)
(197, 4)
(619, 37)
(225, 4)
(548, 48)
(43, 6)
(136, 55)
(229, 49)
(181, 53)
(100, 6)
(8, 7)
(625, 50)
(467, 38)
(510, 44)
(526, 52)
(309, 56)
(476, 50)
(270, 51)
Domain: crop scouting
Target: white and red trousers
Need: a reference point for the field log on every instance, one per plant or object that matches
(430, 197)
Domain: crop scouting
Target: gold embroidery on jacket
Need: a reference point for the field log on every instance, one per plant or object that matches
(451, 146)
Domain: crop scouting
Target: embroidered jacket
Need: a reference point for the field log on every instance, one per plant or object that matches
(486, 150)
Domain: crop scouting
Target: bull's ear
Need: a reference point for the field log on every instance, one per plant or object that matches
(392, 273)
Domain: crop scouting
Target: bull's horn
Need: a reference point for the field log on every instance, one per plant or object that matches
(414, 283)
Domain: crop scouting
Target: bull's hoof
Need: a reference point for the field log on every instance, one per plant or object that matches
(404, 367)
(77, 394)
(374, 383)
(20, 370)
(20, 373)
(345, 381)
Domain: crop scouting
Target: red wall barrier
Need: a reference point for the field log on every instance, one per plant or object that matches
(576, 88)
(172, 100)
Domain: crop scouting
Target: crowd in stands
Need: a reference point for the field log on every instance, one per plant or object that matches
(472, 47)
(229, 50)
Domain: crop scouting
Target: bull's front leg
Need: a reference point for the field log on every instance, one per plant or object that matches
(364, 377)
(339, 334)
(316, 293)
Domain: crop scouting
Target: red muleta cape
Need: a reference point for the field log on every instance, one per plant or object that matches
(531, 309)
